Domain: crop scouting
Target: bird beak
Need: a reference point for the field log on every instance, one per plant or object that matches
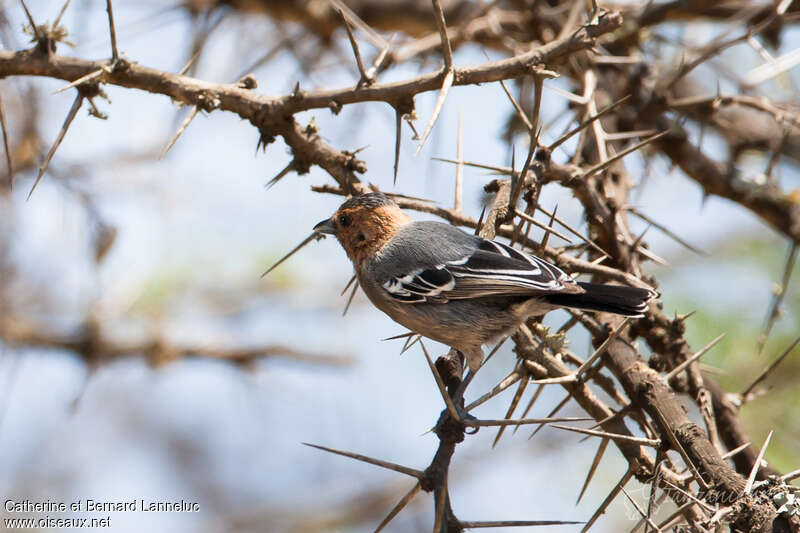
(326, 226)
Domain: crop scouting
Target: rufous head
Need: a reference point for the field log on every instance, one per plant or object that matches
(364, 224)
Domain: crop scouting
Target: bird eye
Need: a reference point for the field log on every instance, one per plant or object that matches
(344, 221)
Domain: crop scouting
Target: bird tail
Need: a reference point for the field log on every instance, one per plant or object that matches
(617, 299)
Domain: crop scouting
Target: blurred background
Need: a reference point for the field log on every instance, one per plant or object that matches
(142, 356)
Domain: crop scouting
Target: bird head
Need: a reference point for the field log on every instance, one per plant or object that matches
(364, 224)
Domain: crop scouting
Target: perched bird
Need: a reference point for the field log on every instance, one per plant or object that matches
(457, 288)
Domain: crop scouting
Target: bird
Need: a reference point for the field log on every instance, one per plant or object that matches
(454, 287)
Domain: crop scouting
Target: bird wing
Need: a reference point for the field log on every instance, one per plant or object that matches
(491, 269)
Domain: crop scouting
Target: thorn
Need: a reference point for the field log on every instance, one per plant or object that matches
(691, 496)
(513, 198)
(83, 79)
(505, 383)
(409, 343)
(372, 36)
(605, 164)
(523, 383)
(665, 230)
(61, 14)
(446, 84)
(113, 32)
(543, 244)
(365, 79)
(397, 136)
(556, 409)
(654, 485)
(640, 510)
(288, 168)
(442, 389)
(513, 523)
(602, 348)
(348, 286)
(441, 25)
(611, 495)
(520, 112)
(681, 367)
(494, 351)
(377, 462)
(377, 63)
(756, 465)
(185, 68)
(350, 299)
(532, 401)
(313, 236)
(479, 226)
(778, 298)
(769, 369)
(395, 337)
(405, 500)
(34, 28)
(654, 443)
(545, 227)
(684, 318)
(679, 448)
(193, 113)
(595, 463)
(574, 231)
(503, 422)
(5, 144)
(736, 450)
(791, 476)
(587, 122)
(70, 117)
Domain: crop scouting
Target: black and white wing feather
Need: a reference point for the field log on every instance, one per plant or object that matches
(490, 269)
